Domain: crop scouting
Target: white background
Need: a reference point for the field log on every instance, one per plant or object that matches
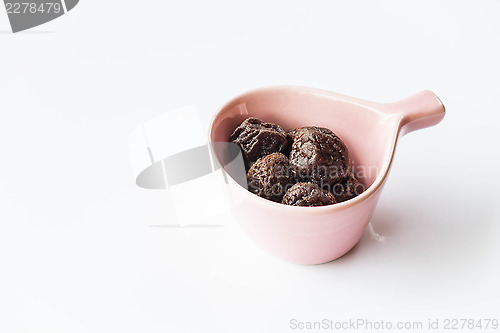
(78, 248)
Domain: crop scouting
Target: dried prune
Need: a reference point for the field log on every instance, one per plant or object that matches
(257, 139)
(307, 194)
(313, 157)
(290, 135)
(348, 188)
(269, 177)
(318, 155)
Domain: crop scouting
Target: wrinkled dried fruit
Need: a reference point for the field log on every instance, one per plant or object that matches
(269, 177)
(348, 188)
(258, 139)
(290, 135)
(307, 194)
(318, 160)
(318, 155)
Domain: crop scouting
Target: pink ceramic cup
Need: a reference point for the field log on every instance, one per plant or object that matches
(314, 235)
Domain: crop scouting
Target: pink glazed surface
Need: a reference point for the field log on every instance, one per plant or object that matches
(314, 235)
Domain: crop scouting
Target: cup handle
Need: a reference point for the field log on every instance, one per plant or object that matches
(421, 110)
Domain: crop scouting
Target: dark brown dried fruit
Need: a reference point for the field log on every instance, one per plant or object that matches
(318, 159)
(318, 155)
(269, 177)
(258, 139)
(307, 194)
(348, 188)
(290, 135)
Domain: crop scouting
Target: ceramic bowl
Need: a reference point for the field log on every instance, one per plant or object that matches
(314, 235)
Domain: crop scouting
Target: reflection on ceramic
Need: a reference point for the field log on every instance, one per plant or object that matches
(313, 235)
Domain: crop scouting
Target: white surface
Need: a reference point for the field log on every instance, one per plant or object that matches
(78, 252)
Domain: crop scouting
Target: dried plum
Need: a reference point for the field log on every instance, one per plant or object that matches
(307, 194)
(348, 188)
(316, 172)
(269, 177)
(257, 139)
(318, 155)
(290, 135)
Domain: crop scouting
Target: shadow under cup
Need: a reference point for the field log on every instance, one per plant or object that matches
(309, 235)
